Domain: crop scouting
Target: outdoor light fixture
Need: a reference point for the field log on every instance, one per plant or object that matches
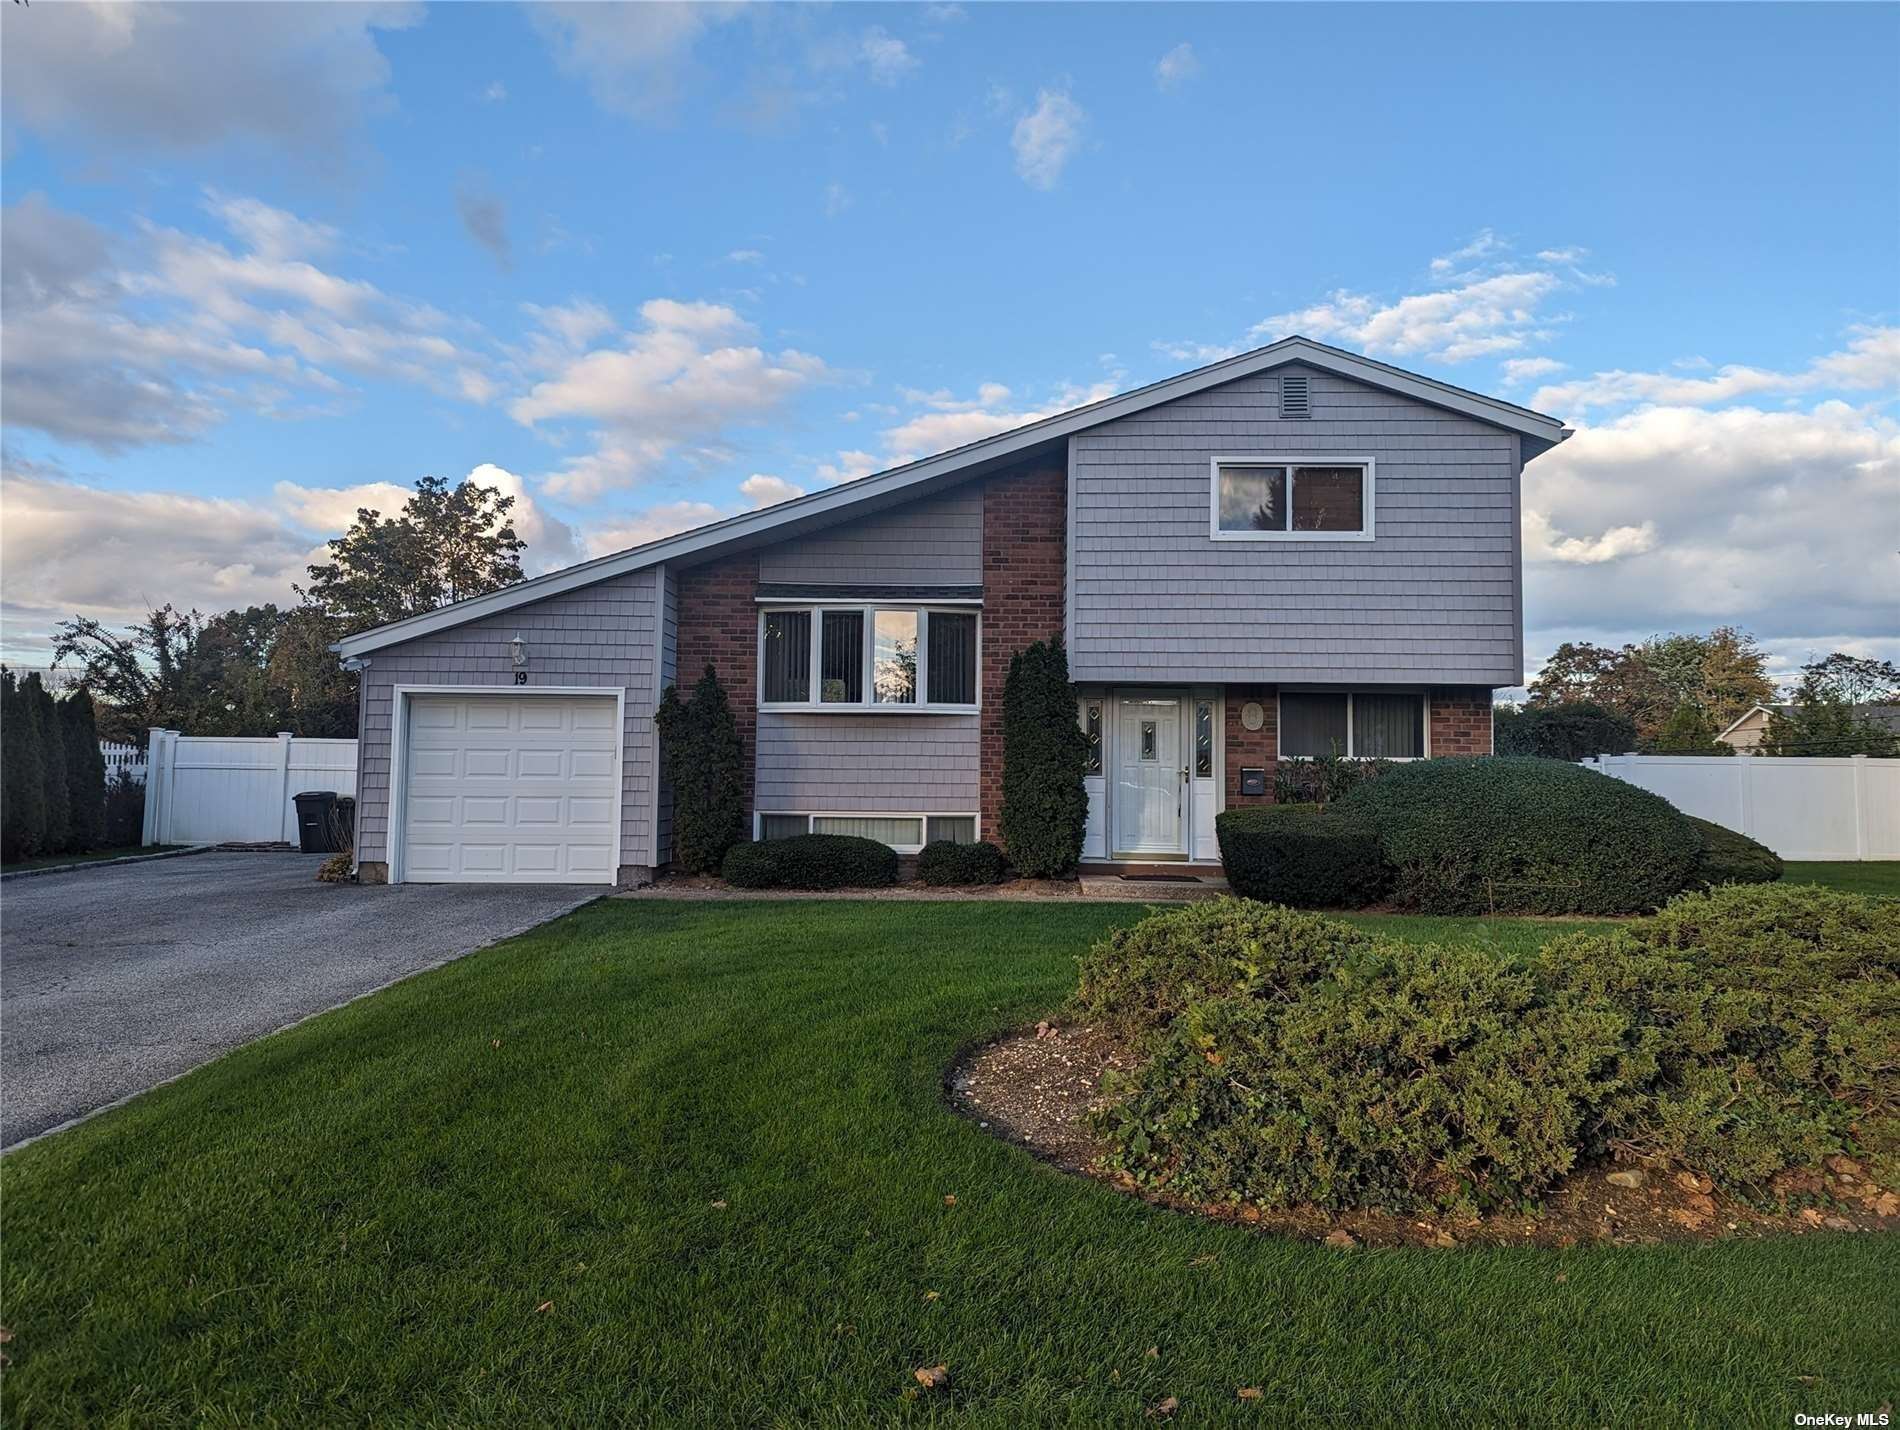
(518, 651)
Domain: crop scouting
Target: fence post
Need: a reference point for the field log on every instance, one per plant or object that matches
(1861, 814)
(284, 791)
(148, 831)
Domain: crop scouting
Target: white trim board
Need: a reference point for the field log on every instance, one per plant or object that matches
(973, 459)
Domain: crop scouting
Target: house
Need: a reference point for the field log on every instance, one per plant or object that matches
(1745, 734)
(1286, 552)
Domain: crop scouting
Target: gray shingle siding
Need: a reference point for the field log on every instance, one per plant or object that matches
(936, 540)
(867, 764)
(669, 675)
(1434, 597)
(601, 635)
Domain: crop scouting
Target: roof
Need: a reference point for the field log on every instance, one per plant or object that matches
(1541, 432)
(1885, 717)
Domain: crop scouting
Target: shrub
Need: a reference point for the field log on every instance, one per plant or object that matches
(1412, 1078)
(1562, 732)
(23, 799)
(1478, 834)
(944, 862)
(1138, 980)
(1045, 756)
(1322, 779)
(1765, 1021)
(1732, 858)
(1688, 731)
(85, 771)
(336, 869)
(1296, 854)
(125, 811)
(811, 861)
(705, 763)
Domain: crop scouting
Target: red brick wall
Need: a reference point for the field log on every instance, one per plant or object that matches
(719, 625)
(1025, 518)
(1259, 748)
(1460, 720)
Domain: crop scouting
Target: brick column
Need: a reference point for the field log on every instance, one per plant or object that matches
(1250, 747)
(1460, 720)
(719, 626)
(1025, 518)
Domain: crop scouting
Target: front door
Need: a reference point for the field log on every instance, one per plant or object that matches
(1150, 778)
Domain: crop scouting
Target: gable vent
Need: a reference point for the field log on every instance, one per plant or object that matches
(1293, 395)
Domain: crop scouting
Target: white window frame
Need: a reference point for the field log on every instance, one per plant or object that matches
(815, 610)
(1424, 715)
(1367, 490)
(923, 820)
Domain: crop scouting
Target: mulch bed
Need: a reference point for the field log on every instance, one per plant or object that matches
(1034, 1088)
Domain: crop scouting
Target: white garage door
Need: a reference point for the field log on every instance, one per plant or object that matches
(511, 789)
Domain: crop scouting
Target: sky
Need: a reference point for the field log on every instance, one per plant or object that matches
(642, 267)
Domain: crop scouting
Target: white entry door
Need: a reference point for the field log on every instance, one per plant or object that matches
(1150, 780)
(511, 789)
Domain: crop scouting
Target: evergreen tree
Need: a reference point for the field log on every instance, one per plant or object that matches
(705, 762)
(24, 817)
(1688, 732)
(85, 771)
(1045, 757)
(59, 808)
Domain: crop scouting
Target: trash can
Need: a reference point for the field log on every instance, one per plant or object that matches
(315, 810)
(343, 822)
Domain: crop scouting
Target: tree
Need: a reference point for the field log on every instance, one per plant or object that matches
(1045, 757)
(1688, 732)
(23, 795)
(58, 835)
(85, 771)
(1723, 674)
(1579, 673)
(704, 760)
(159, 671)
(449, 543)
(312, 693)
(1821, 724)
(1562, 732)
(1853, 680)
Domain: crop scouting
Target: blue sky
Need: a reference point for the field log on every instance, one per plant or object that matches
(646, 266)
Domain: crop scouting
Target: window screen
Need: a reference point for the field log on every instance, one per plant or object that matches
(952, 658)
(783, 826)
(788, 655)
(1389, 727)
(1313, 725)
(841, 658)
(957, 828)
(1329, 499)
(885, 831)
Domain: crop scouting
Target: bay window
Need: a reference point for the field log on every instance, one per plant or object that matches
(1355, 724)
(894, 658)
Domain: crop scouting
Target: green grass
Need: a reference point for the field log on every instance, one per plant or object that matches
(1865, 876)
(47, 861)
(357, 1220)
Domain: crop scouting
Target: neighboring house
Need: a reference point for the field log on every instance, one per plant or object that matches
(1289, 551)
(1745, 735)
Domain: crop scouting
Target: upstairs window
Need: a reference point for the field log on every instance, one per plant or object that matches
(1300, 500)
(867, 658)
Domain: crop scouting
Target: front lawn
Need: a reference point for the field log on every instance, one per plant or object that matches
(691, 1163)
(1864, 876)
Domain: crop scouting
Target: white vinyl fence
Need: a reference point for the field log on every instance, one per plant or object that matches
(1846, 808)
(123, 759)
(206, 789)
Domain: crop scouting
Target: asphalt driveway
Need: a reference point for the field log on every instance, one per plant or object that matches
(114, 979)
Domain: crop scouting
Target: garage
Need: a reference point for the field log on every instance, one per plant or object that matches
(510, 789)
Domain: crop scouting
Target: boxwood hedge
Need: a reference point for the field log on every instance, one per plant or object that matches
(1516, 834)
(944, 862)
(1301, 855)
(811, 861)
(1731, 858)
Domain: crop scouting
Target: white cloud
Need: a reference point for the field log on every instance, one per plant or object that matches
(290, 79)
(690, 373)
(1178, 66)
(745, 255)
(887, 58)
(655, 522)
(1775, 521)
(1046, 138)
(762, 490)
(1563, 255)
(849, 467)
(950, 421)
(633, 58)
(1870, 360)
(1484, 316)
(1485, 246)
(837, 199)
(496, 92)
(1518, 370)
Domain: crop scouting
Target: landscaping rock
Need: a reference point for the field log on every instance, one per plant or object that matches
(1627, 1179)
(1341, 1239)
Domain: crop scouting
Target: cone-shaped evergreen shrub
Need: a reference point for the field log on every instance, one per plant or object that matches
(1045, 756)
(85, 771)
(705, 763)
(59, 817)
(23, 800)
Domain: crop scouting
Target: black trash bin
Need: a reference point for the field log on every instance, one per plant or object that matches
(316, 811)
(343, 822)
